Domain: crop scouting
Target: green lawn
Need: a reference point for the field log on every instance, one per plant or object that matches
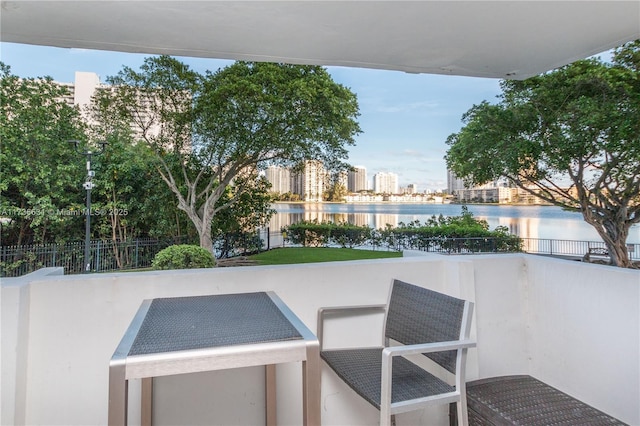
(284, 256)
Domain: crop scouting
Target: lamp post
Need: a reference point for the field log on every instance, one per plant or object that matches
(88, 186)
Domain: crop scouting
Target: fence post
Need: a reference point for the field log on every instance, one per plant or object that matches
(268, 239)
(136, 253)
(98, 257)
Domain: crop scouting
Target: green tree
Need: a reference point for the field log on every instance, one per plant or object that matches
(570, 137)
(39, 174)
(125, 178)
(132, 196)
(235, 227)
(232, 122)
(336, 190)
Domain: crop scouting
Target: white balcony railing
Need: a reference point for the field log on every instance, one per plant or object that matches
(573, 325)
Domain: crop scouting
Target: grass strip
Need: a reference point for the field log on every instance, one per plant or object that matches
(290, 255)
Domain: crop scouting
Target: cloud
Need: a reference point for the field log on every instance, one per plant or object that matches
(379, 104)
(407, 107)
(414, 155)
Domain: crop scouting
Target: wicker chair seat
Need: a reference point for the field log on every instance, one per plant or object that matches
(526, 401)
(360, 369)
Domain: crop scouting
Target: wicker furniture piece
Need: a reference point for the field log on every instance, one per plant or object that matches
(526, 401)
(421, 321)
(202, 333)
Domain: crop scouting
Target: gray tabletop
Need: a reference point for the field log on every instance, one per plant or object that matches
(184, 323)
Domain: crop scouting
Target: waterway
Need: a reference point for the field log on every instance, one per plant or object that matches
(548, 222)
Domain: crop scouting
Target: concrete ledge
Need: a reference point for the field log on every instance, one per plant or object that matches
(33, 276)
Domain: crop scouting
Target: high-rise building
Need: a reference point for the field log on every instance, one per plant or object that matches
(497, 191)
(454, 183)
(310, 183)
(357, 179)
(385, 183)
(82, 89)
(85, 86)
(279, 178)
(412, 188)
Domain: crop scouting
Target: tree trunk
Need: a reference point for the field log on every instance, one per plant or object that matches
(614, 235)
(203, 226)
(619, 254)
(205, 239)
(200, 217)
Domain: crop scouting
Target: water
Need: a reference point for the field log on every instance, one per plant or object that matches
(548, 222)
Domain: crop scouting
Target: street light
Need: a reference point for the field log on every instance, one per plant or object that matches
(88, 186)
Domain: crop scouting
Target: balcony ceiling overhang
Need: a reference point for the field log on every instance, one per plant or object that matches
(497, 39)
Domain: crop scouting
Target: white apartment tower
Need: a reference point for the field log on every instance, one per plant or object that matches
(279, 178)
(385, 183)
(85, 85)
(310, 183)
(454, 183)
(82, 89)
(357, 179)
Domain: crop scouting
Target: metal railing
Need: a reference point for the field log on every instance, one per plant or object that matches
(567, 248)
(571, 248)
(139, 253)
(106, 255)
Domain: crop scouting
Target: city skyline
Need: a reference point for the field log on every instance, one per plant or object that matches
(313, 180)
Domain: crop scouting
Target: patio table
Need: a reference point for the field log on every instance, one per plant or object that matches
(180, 335)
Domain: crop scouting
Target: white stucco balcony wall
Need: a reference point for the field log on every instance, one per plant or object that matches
(573, 325)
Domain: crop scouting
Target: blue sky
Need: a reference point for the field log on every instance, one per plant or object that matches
(405, 118)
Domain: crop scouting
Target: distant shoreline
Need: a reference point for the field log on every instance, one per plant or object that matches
(415, 203)
(526, 221)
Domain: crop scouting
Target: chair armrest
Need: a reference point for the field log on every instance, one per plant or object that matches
(344, 310)
(389, 352)
(423, 348)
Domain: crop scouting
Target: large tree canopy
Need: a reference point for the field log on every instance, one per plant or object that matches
(218, 130)
(570, 136)
(40, 173)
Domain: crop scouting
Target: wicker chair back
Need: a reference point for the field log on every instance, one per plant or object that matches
(419, 315)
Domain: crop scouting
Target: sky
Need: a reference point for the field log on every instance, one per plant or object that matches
(405, 118)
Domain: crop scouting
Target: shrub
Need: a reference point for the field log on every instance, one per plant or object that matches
(232, 244)
(183, 256)
(347, 235)
(309, 233)
(457, 234)
(323, 234)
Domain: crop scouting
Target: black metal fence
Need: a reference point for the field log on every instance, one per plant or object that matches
(571, 248)
(471, 245)
(105, 256)
(136, 254)
(564, 248)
